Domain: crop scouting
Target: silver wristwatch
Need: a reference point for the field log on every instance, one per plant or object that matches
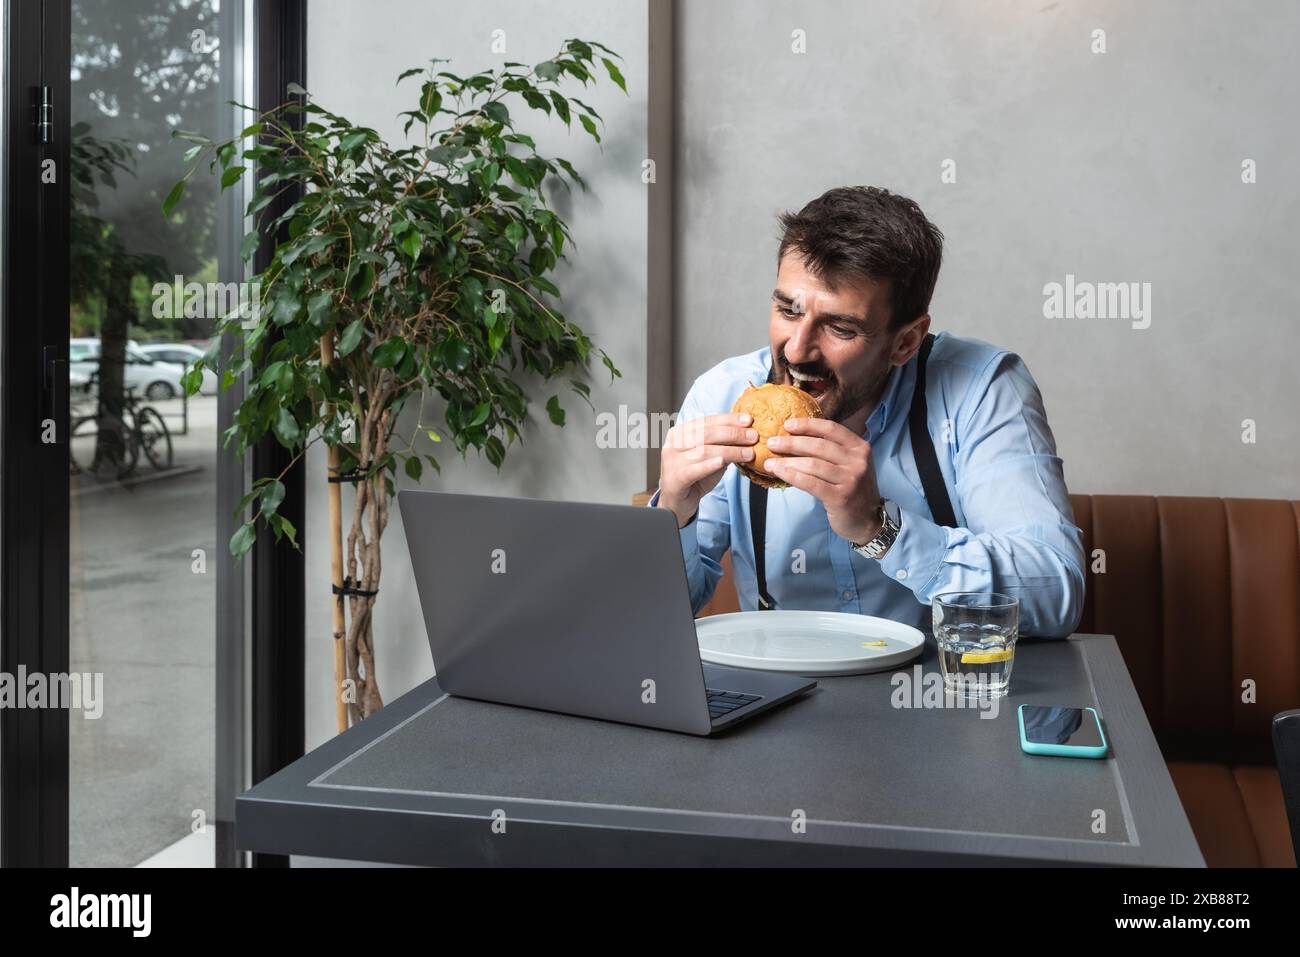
(889, 526)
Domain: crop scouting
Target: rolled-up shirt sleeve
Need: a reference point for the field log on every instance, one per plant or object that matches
(707, 536)
(1018, 536)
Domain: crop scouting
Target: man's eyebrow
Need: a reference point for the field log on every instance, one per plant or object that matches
(859, 321)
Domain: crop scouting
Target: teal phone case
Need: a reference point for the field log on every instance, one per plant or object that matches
(1062, 750)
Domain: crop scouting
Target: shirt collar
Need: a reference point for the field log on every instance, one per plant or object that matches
(879, 419)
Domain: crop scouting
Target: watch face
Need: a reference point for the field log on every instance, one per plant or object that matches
(891, 510)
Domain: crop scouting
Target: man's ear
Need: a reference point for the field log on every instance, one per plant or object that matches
(908, 339)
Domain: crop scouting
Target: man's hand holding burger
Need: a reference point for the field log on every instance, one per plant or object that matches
(833, 465)
(694, 456)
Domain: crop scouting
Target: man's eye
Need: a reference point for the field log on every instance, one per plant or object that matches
(844, 332)
(788, 312)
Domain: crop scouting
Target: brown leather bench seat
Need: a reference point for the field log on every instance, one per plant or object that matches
(1203, 597)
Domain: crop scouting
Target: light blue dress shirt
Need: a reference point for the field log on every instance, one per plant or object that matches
(1016, 533)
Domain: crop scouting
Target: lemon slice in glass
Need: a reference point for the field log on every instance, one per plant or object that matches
(985, 657)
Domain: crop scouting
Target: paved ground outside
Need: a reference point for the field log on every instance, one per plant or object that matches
(141, 615)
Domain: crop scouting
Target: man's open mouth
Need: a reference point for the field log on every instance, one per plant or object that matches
(815, 386)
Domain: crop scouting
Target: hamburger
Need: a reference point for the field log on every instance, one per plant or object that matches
(771, 405)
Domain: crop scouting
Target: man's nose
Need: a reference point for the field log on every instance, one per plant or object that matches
(801, 347)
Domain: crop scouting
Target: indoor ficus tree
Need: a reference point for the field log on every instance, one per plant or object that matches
(402, 271)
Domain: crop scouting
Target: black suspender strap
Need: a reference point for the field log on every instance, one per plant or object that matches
(927, 463)
(758, 536)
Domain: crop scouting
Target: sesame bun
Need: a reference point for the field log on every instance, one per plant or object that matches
(771, 405)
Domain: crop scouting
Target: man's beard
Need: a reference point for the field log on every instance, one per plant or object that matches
(841, 401)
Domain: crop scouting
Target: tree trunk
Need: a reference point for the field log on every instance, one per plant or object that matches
(370, 512)
(110, 451)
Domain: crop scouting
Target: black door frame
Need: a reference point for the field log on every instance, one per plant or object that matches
(34, 327)
(279, 648)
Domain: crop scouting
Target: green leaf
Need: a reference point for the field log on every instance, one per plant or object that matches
(287, 528)
(278, 375)
(573, 173)
(497, 112)
(192, 152)
(231, 176)
(522, 175)
(242, 540)
(286, 428)
(286, 309)
(363, 280)
(411, 72)
(318, 307)
(390, 353)
(547, 70)
(446, 154)
(310, 247)
(590, 127)
(480, 414)
(272, 497)
(434, 436)
(430, 99)
(192, 380)
(554, 411)
(457, 354)
(545, 285)
(612, 69)
(561, 106)
(350, 338)
(601, 46)
(515, 232)
(537, 101)
(579, 47)
(249, 246)
(350, 142)
(496, 336)
(411, 243)
(489, 174)
(173, 197)
(414, 468)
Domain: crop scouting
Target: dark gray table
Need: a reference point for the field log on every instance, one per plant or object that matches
(423, 782)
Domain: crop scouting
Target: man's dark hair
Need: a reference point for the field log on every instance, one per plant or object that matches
(864, 232)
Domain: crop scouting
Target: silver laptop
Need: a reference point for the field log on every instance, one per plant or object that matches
(571, 607)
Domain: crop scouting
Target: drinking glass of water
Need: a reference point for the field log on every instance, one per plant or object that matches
(976, 632)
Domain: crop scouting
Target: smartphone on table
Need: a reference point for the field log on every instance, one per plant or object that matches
(1061, 731)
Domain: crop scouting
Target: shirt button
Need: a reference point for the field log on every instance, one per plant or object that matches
(847, 596)
(901, 574)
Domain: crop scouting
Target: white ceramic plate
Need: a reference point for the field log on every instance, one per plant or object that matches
(807, 642)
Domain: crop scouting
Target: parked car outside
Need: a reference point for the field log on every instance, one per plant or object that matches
(182, 354)
(148, 376)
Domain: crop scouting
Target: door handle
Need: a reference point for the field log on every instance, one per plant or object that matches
(54, 374)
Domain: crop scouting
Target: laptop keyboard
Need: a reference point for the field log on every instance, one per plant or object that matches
(722, 703)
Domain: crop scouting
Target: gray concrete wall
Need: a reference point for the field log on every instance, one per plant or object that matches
(355, 51)
(1115, 167)
(1123, 166)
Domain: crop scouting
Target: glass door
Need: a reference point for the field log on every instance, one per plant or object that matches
(143, 458)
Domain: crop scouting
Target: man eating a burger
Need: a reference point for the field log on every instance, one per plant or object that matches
(906, 465)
